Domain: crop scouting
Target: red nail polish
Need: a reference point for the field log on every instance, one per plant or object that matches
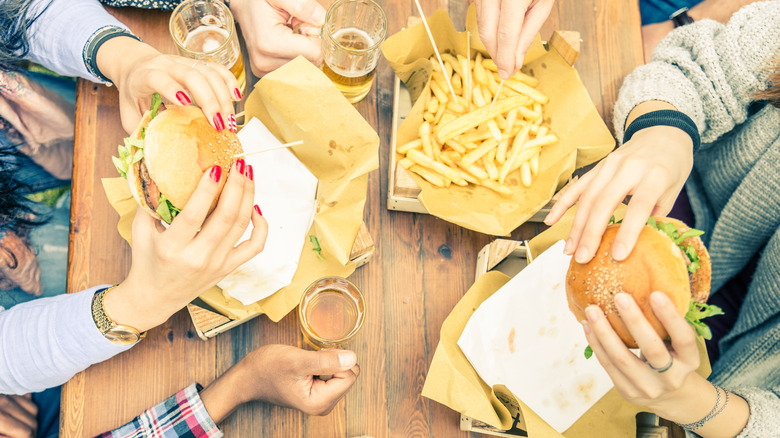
(240, 164)
(250, 173)
(232, 123)
(183, 98)
(216, 173)
(238, 93)
(218, 122)
(257, 209)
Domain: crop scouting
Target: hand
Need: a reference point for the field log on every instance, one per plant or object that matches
(633, 378)
(285, 376)
(270, 39)
(508, 27)
(138, 70)
(652, 167)
(171, 267)
(19, 265)
(18, 416)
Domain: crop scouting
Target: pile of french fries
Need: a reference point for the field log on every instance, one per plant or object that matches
(463, 140)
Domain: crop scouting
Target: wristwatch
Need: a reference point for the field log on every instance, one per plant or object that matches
(681, 17)
(116, 333)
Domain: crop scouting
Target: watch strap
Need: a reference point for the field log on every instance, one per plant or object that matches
(105, 324)
(681, 17)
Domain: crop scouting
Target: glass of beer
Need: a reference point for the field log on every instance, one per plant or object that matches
(205, 30)
(351, 38)
(331, 312)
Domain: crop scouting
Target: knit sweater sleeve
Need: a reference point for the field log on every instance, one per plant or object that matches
(764, 406)
(708, 70)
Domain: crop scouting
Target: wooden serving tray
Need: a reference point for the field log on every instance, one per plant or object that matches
(209, 323)
(403, 189)
(510, 257)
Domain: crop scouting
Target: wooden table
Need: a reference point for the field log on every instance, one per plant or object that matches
(420, 270)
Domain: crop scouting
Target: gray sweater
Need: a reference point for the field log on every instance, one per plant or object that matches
(710, 72)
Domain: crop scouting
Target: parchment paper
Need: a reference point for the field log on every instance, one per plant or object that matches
(298, 102)
(453, 382)
(570, 114)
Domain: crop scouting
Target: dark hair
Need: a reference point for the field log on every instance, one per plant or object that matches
(17, 213)
(16, 17)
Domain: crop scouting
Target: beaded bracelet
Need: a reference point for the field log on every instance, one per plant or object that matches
(717, 409)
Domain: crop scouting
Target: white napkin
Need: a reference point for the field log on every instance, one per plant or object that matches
(286, 192)
(525, 337)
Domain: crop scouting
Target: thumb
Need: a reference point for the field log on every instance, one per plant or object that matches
(325, 362)
(308, 11)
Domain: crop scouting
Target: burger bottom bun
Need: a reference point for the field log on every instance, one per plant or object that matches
(655, 264)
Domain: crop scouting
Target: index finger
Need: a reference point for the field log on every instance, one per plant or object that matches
(510, 26)
(488, 12)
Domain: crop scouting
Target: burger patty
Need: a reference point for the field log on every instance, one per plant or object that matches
(151, 192)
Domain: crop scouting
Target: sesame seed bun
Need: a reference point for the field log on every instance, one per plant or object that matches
(179, 146)
(655, 264)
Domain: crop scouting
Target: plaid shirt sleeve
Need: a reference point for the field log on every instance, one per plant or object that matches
(181, 415)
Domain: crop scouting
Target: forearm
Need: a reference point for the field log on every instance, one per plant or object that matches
(718, 10)
(223, 396)
(695, 400)
(44, 342)
(59, 36)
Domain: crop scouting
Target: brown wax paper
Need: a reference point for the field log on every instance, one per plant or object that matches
(453, 382)
(570, 114)
(298, 102)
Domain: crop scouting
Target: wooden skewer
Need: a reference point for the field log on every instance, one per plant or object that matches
(496, 96)
(435, 49)
(282, 146)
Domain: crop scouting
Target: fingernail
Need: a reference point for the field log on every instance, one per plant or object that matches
(232, 123)
(503, 74)
(216, 173)
(218, 122)
(622, 300)
(257, 209)
(659, 298)
(238, 93)
(567, 249)
(547, 218)
(240, 164)
(593, 313)
(585, 326)
(582, 255)
(250, 173)
(347, 359)
(183, 98)
(619, 251)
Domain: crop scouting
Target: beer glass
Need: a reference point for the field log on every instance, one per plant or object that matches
(205, 30)
(331, 312)
(351, 38)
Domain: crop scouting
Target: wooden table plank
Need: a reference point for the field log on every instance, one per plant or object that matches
(421, 267)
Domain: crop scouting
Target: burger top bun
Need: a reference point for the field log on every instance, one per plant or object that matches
(180, 145)
(655, 264)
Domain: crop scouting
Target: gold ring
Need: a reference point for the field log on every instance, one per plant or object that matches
(194, 64)
(664, 368)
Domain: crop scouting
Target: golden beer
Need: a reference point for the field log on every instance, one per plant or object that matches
(207, 39)
(348, 73)
(331, 312)
(351, 38)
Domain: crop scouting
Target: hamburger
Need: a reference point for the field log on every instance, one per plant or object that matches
(669, 257)
(165, 157)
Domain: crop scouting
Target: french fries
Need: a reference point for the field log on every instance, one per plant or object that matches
(463, 141)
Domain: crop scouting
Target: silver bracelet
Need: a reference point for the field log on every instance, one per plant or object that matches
(717, 409)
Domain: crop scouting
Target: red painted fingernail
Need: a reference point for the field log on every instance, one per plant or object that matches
(216, 173)
(250, 173)
(218, 122)
(240, 164)
(183, 98)
(257, 209)
(238, 93)
(232, 123)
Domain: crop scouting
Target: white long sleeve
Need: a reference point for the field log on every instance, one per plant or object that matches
(45, 342)
(59, 36)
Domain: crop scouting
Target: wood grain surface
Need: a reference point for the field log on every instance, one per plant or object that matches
(421, 268)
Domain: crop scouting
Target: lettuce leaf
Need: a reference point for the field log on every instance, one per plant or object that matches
(699, 311)
(671, 231)
(156, 102)
(166, 210)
